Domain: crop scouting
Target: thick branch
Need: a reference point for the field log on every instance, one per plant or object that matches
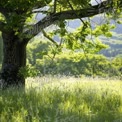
(70, 14)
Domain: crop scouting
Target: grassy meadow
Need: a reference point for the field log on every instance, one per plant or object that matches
(63, 99)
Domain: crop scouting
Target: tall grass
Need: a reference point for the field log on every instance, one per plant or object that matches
(63, 99)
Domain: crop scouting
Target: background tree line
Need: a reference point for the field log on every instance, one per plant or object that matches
(41, 62)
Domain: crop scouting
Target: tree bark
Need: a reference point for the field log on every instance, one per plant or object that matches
(14, 57)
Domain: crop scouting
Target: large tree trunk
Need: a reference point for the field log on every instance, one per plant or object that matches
(14, 57)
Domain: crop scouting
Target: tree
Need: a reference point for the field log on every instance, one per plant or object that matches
(16, 31)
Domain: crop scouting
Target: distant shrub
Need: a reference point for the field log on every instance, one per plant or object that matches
(78, 65)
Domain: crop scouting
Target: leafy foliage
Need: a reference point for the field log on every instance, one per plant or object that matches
(15, 19)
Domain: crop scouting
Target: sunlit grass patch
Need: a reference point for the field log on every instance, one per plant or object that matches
(63, 99)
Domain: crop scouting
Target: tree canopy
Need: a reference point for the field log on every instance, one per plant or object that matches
(14, 13)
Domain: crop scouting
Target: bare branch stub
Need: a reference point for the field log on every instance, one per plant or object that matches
(48, 37)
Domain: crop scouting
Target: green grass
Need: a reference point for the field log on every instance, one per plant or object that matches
(63, 99)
